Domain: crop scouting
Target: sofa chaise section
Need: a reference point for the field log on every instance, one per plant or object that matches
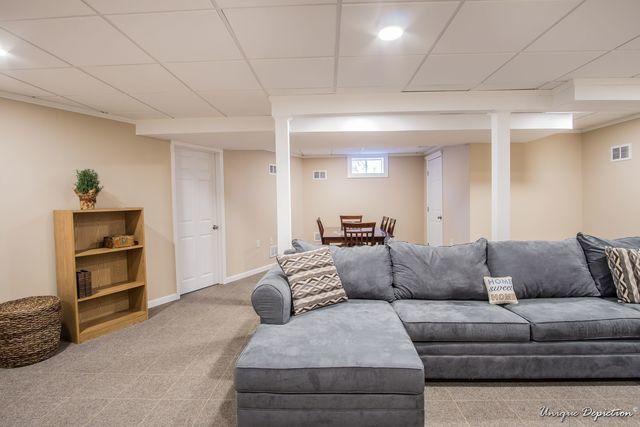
(351, 363)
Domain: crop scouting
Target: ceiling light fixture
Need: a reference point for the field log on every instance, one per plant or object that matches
(392, 32)
(3, 52)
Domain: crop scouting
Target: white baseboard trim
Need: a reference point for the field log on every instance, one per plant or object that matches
(162, 300)
(246, 274)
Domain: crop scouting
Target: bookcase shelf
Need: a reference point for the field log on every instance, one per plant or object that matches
(118, 275)
(100, 251)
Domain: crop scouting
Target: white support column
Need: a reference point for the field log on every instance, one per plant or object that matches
(500, 176)
(283, 183)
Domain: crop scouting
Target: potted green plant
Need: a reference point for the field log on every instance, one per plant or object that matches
(87, 188)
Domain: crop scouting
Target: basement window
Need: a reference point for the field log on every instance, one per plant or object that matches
(374, 166)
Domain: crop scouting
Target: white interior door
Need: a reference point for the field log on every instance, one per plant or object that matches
(434, 200)
(197, 222)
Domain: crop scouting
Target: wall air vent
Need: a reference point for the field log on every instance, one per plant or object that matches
(272, 169)
(319, 175)
(620, 152)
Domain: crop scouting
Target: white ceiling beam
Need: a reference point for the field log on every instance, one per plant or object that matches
(204, 125)
(424, 122)
(606, 89)
(412, 102)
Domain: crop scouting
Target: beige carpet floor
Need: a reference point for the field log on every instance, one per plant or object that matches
(177, 369)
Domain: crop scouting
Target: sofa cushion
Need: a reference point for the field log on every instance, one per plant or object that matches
(427, 320)
(542, 269)
(439, 273)
(359, 346)
(593, 248)
(573, 319)
(365, 271)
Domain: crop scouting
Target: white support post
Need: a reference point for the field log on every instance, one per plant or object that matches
(283, 183)
(500, 176)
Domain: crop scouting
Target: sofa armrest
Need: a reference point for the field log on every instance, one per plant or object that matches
(271, 298)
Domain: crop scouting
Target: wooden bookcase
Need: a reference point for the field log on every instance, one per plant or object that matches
(118, 276)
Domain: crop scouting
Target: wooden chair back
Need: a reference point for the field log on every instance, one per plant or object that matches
(359, 234)
(349, 219)
(383, 223)
(320, 229)
(391, 226)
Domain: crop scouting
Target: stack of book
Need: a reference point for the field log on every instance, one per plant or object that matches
(83, 279)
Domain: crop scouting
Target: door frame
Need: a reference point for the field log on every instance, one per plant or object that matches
(218, 161)
(432, 156)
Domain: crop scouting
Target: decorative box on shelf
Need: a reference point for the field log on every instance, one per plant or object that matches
(121, 241)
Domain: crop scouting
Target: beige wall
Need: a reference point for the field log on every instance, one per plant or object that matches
(611, 190)
(401, 195)
(39, 152)
(546, 188)
(250, 207)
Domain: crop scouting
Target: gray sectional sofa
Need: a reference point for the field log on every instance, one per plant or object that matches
(419, 312)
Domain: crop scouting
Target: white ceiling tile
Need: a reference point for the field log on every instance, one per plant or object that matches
(61, 101)
(390, 71)
(212, 76)
(114, 103)
(422, 23)
(531, 70)
(301, 91)
(252, 103)
(81, 40)
(632, 45)
(7, 84)
(614, 64)
(62, 81)
(552, 85)
(369, 89)
(439, 88)
(180, 36)
(179, 104)
(500, 26)
(24, 55)
(143, 78)
(33, 9)
(595, 25)
(141, 115)
(128, 6)
(285, 32)
(458, 69)
(294, 73)
(258, 3)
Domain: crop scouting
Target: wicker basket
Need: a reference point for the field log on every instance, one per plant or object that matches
(29, 330)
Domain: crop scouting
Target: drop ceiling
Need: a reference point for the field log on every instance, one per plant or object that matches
(150, 59)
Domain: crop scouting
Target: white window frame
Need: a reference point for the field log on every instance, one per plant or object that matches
(385, 166)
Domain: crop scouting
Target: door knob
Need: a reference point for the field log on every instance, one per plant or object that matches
(440, 217)
(214, 227)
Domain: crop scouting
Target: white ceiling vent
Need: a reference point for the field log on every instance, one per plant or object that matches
(319, 175)
(620, 152)
(272, 169)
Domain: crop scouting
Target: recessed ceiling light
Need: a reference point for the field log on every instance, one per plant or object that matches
(3, 52)
(390, 33)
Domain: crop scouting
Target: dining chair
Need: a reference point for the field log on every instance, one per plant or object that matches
(391, 226)
(321, 230)
(359, 234)
(383, 223)
(349, 219)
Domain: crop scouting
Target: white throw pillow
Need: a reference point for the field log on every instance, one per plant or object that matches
(500, 290)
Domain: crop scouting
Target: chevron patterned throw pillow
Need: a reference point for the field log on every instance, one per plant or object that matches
(625, 269)
(313, 280)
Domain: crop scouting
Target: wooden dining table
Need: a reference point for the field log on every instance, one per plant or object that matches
(336, 235)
